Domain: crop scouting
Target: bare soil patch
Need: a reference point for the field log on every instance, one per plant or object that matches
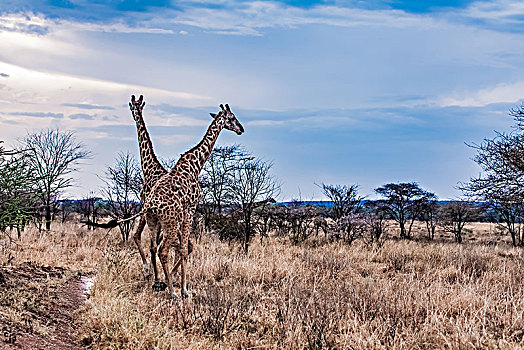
(37, 307)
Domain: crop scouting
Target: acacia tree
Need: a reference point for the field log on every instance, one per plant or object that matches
(346, 208)
(252, 186)
(123, 186)
(53, 156)
(508, 207)
(501, 183)
(404, 203)
(455, 215)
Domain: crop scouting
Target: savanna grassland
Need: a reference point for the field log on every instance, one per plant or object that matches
(403, 294)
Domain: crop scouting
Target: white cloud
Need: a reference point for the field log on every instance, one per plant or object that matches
(18, 44)
(501, 93)
(496, 10)
(30, 86)
(249, 18)
(39, 24)
(119, 27)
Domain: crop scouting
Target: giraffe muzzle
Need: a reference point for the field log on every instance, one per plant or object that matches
(240, 130)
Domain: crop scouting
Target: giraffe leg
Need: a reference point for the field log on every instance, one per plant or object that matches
(155, 228)
(170, 233)
(179, 259)
(175, 267)
(184, 250)
(137, 237)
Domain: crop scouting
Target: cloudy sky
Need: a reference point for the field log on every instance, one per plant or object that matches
(339, 92)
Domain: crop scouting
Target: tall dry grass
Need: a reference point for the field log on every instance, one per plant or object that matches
(402, 294)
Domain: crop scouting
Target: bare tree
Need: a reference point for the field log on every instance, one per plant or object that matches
(123, 185)
(301, 221)
(456, 214)
(54, 155)
(67, 207)
(501, 183)
(509, 208)
(89, 208)
(218, 172)
(263, 222)
(351, 227)
(279, 217)
(375, 218)
(404, 203)
(321, 223)
(430, 215)
(345, 199)
(252, 186)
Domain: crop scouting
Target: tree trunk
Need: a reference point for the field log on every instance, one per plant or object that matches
(513, 237)
(247, 219)
(402, 230)
(458, 236)
(48, 217)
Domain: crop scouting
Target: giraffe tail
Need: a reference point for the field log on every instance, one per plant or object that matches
(129, 218)
(111, 224)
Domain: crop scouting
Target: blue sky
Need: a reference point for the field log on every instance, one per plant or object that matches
(341, 92)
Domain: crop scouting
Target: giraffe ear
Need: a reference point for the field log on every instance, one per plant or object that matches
(213, 115)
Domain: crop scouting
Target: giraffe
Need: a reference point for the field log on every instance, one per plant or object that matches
(153, 171)
(173, 199)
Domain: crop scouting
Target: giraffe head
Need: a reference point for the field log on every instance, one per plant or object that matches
(136, 106)
(228, 118)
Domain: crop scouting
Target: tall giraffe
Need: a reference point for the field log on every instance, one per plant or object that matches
(153, 171)
(173, 199)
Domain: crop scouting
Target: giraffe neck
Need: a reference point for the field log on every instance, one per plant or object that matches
(151, 167)
(198, 155)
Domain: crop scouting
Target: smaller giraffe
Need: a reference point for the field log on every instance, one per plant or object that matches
(173, 199)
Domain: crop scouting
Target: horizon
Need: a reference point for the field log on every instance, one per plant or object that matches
(331, 92)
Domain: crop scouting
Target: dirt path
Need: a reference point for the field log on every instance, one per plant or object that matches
(37, 306)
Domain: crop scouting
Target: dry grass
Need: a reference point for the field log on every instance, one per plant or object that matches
(403, 294)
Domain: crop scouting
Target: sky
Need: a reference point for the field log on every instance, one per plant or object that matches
(335, 92)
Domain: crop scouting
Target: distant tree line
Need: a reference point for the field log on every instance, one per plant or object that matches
(239, 202)
(240, 192)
